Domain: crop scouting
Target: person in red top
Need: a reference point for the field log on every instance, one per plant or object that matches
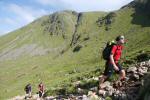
(113, 62)
(41, 89)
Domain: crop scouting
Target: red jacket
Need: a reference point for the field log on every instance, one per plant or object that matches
(41, 87)
(117, 51)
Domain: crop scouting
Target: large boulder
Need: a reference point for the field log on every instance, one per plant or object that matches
(105, 84)
(132, 69)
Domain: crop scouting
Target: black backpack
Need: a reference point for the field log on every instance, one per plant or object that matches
(107, 50)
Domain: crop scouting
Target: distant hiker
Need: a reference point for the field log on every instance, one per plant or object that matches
(41, 89)
(112, 54)
(28, 90)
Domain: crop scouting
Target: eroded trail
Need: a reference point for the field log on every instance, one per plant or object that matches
(125, 90)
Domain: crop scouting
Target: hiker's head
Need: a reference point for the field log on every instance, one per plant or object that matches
(120, 39)
(41, 82)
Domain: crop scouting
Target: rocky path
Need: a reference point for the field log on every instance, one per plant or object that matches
(125, 90)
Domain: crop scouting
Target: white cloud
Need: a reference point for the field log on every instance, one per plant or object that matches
(26, 13)
(86, 5)
(2, 32)
(23, 12)
(19, 16)
(48, 2)
(10, 21)
(7, 21)
(7, 25)
(54, 4)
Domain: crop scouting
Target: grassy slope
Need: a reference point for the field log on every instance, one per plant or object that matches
(53, 67)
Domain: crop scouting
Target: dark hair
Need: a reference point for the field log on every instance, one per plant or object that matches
(119, 37)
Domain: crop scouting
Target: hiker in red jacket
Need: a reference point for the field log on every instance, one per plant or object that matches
(41, 89)
(112, 64)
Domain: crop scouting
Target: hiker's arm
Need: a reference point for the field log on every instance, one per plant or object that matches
(114, 48)
(113, 62)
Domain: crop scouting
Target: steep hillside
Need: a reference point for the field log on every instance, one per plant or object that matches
(65, 45)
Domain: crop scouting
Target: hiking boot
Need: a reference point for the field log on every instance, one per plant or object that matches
(124, 79)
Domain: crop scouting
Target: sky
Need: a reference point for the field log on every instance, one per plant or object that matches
(15, 14)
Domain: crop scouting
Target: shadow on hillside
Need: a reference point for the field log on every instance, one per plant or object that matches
(141, 15)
